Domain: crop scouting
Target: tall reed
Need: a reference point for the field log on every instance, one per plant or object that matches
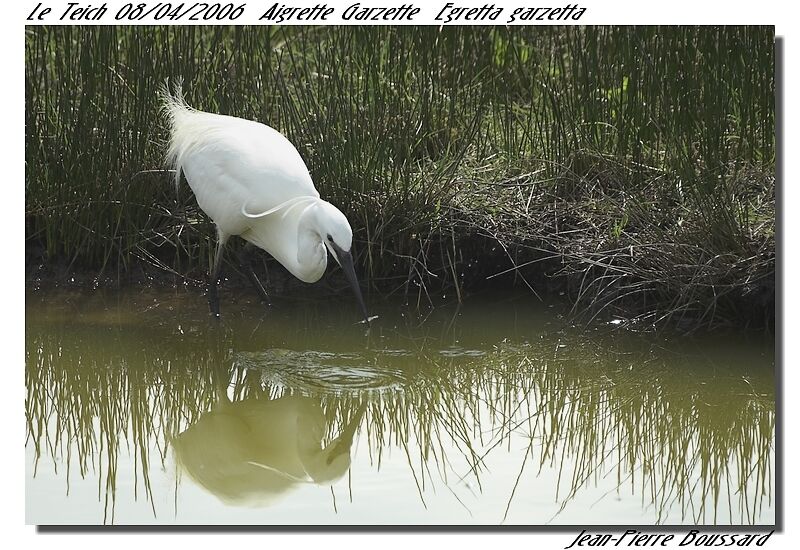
(638, 160)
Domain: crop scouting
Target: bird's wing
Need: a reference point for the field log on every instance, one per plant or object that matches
(235, 165)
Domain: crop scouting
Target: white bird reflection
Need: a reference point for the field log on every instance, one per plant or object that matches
(252, 452)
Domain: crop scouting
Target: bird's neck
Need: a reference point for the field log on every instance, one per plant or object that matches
(312, 257)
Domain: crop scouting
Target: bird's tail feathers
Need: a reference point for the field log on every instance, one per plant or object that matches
(175, 110)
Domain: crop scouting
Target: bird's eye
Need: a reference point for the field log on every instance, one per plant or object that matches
(330, 238)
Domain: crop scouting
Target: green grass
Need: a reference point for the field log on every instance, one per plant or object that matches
(630, 167)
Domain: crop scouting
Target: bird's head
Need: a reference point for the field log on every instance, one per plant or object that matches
(335, 232)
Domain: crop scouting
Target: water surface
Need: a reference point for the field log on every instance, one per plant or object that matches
(142, 410)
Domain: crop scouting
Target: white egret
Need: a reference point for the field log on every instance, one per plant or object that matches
(251, 181)
(252, 452)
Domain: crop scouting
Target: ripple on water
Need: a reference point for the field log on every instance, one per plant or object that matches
(324, 372)
(458, 351)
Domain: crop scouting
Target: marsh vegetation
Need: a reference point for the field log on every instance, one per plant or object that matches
(630, 168)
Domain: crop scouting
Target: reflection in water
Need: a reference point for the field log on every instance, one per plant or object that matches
(252, 451)
(517, 420)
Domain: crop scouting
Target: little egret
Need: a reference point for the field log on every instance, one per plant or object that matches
(251, 181)
(255, 451)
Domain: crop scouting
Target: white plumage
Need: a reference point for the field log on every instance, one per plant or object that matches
(251, 181)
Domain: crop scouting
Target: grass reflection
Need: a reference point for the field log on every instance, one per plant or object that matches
(692, 437)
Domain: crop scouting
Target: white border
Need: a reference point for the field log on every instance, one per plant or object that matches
(599, 12)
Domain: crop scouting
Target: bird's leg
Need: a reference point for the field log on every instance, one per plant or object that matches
(213, 297)
(245, 259)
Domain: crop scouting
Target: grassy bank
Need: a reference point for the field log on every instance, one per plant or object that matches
(631, 168)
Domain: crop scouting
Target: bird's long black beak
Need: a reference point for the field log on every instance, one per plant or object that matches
(346, 261)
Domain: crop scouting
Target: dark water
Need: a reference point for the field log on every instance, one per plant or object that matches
(142, 410)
